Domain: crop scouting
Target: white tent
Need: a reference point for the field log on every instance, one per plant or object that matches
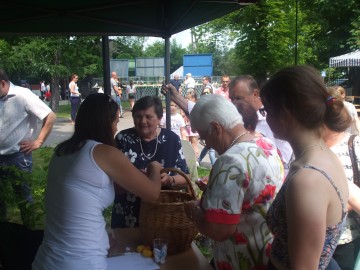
(347, 60)
(179, 72)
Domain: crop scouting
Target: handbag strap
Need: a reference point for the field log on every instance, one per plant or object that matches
(356, 177)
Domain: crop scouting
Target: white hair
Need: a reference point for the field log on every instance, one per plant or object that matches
(214, 108)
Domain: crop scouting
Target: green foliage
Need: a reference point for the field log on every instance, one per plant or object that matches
(203, 172)
(35, 213)
(42, 159)
(11, 175)
(51, 58)
(354, 40)
(264, 35)
(157, 49)
(127, 47)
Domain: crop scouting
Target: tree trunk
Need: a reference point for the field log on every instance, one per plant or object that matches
(55, 94)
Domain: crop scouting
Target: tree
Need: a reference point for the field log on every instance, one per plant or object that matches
(157, 49)
(123, 47)
(53, 58)
(264, 35)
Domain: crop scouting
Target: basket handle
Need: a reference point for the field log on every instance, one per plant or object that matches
(190, 187)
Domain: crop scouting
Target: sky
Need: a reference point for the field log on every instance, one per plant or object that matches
(183, 38)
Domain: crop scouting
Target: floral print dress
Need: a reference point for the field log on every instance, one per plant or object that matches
(242, 184)
(126, 207)
(277, 222)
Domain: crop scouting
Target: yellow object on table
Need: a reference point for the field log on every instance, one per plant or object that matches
(189, 260)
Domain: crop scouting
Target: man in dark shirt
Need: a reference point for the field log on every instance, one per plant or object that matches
(176, 83)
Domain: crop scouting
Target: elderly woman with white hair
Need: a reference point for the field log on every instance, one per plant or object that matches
(242, 185)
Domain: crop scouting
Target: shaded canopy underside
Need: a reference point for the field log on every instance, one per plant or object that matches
(158, 18)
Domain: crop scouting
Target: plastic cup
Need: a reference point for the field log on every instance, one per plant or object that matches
(160, 250)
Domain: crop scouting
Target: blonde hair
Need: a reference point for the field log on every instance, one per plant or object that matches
(334, 92)
(341, 90)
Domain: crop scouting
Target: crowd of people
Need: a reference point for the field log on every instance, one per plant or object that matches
(282, 192)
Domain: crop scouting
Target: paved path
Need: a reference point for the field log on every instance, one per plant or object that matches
(63, 129)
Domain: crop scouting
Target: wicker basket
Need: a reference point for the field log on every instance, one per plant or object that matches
(166, 218)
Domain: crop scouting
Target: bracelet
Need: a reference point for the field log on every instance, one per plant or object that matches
(173, 181)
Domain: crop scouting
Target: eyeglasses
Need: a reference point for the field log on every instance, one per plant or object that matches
(262, 111)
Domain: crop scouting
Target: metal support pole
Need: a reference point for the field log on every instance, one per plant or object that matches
(167, 79)
(106, 64)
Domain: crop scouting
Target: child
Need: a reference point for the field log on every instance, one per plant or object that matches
(177, 121)
(193, 138)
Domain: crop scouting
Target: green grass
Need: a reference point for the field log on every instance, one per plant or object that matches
(64, 110)
(203, 171)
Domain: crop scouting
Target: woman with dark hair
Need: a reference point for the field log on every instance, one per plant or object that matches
(143, 143)
(80, 186)
(307, 216)
(74, 96)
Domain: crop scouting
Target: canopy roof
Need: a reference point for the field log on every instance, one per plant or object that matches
(346, 60)
(158, 18)
(179, 72)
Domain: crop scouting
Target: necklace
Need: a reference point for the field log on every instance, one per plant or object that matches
(237, 138)
(309, 147)
(142, 151)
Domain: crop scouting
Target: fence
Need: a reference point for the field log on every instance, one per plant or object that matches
(342, 82)
(145, 86)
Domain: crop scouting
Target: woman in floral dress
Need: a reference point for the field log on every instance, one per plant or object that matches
(242, 184)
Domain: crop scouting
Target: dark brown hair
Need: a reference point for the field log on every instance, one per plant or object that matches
(300, 90)
(3, 75)
(147, 102)
(251, 82)
(93, 122)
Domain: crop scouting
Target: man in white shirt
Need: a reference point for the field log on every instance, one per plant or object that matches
(189, 82)
(245, 87)
(20, 109)
(116, 91)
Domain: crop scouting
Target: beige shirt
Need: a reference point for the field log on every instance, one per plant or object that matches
(19, 109)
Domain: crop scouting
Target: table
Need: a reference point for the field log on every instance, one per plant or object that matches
(188, 260)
